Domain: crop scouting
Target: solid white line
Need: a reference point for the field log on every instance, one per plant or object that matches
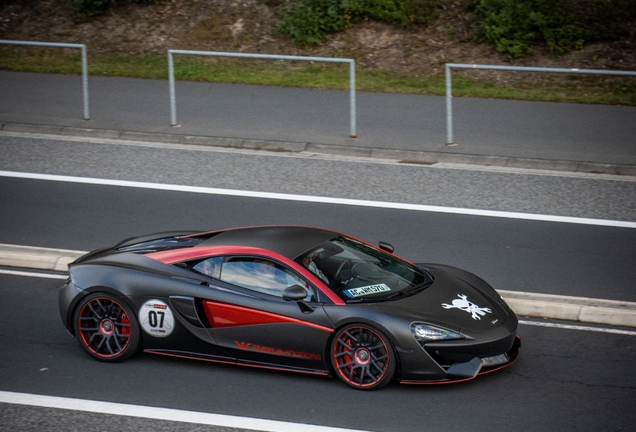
(578, 327)
(32, 274)
(322, 200)
(162, 413)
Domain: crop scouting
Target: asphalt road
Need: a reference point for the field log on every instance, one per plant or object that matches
(549, 193)
(555, 131)
(564, 380)
(531, 256)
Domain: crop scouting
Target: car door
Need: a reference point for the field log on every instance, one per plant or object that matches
(256, 323)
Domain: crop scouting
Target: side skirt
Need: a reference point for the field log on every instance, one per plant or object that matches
(232, 361)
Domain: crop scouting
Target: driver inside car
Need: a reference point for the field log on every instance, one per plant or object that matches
(308, 261)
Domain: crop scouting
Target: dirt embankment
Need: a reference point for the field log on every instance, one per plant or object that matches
(250, 26)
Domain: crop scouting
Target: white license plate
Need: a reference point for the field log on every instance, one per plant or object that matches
(366, 290)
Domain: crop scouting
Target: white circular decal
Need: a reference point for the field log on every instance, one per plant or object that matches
(156, 318)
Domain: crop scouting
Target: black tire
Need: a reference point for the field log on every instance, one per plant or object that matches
(106, 328)
(362, 357)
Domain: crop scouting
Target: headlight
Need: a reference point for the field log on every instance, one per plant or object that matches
(426, 333)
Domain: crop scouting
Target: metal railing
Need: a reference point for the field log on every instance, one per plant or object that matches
(352, 77)
(81, 47)
(449, 91)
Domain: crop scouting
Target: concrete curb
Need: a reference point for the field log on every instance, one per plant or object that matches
(37, 257)
(580, 309)
(406, 156)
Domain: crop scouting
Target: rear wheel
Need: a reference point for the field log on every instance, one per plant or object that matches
(106, 328)
(363, 357)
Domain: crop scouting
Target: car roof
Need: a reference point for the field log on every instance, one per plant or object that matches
(289, 241)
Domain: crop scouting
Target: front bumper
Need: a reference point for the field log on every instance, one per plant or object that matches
(467, 370)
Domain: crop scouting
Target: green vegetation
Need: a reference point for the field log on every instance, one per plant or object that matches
(515, 26)
(574, 88)
(308, 21)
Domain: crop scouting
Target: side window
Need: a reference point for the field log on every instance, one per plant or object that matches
(261, 275)
(210, 267)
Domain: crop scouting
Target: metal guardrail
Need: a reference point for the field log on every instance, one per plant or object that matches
(449, 91)
(352, 77)
(81, 47)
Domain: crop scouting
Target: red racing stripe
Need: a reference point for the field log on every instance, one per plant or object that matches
(223, 315)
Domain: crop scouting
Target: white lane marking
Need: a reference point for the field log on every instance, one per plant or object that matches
(32, 274)
(578, 327)
(321, 200)
(318, 156)
(162, 413)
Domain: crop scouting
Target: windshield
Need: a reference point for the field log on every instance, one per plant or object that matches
(356, 271)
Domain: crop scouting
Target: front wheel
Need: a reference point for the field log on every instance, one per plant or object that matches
(363, 357)
(106, 328)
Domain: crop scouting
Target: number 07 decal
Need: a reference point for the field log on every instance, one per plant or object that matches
(156, 318)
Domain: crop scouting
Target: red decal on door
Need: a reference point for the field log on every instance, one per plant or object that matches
(222, 315)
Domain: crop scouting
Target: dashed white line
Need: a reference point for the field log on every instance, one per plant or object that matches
(162, 413)
(319, 199)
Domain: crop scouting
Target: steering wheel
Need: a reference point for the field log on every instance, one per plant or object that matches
(337, 279)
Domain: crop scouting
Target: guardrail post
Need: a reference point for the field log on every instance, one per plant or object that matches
(173, 99)
(449, 106)
(352, 77)
(352, 99)
(449, 66)
(82, 47)
(85, 82)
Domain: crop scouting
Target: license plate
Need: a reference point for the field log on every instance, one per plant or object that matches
(366, 290)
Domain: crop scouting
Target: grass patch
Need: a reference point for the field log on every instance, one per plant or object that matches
(571, 88)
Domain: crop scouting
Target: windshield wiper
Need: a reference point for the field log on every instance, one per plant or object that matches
(410, 290)
(366, 300)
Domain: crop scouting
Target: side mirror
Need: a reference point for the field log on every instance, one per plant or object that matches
(386, 247)
(294, 293)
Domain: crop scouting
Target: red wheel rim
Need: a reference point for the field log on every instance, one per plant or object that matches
(360, 356)
(104, 327)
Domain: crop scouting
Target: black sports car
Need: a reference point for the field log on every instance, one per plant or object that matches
(289, 298)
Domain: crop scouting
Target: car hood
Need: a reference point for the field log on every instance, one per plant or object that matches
(453, 303)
